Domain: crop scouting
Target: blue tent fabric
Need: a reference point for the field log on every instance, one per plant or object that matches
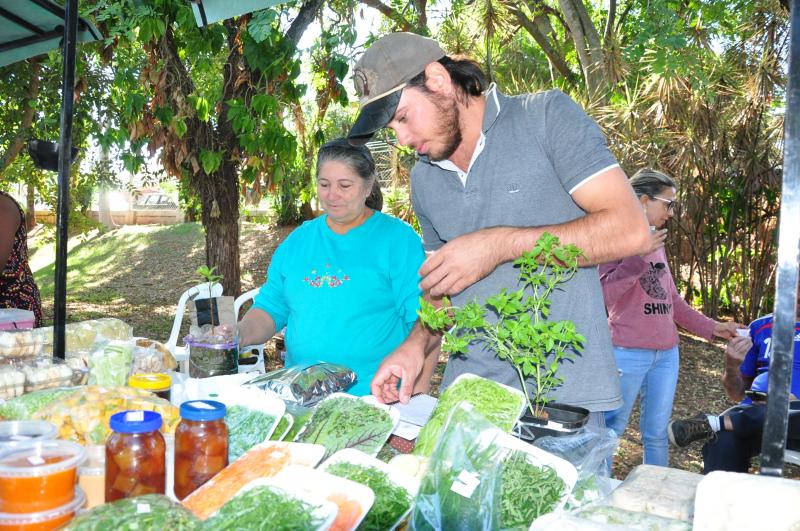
(32, 27)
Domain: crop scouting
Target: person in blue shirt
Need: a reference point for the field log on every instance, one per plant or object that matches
(734, 438)
(345, 285)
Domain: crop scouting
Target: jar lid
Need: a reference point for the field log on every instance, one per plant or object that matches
(150, 381)
(203, 410)
(135, 421)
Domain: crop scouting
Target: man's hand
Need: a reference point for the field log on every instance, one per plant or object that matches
(402, 366)
(462, 262)
(736, 350)
(727, 330)
(657, 238)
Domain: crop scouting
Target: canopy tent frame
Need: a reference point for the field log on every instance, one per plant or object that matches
(780, 368)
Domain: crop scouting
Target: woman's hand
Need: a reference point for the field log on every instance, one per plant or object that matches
(657, 238)
(726, 329)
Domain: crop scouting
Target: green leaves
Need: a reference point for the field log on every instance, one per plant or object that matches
(209, 274)
(210, 160)
(522, 333)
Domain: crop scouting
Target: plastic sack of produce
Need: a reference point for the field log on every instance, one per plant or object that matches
(110, 363)
(80, 337)
(306, 384)
(589, 450)
(151, 511)
(150, 356)
(26, 406)
(461, 488)
(83, 416)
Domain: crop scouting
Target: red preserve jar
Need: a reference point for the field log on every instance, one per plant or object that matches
(135, 455)
(201, 445)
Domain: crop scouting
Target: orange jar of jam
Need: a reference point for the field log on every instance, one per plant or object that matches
(201, 445)
(135, 455)
(38, 476)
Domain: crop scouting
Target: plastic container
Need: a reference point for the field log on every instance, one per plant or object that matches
(38, 476)
(45, 373)
(20, 343)
(92, 475)
(43, 520)
(212, 359)
(14, 433)
(14, 318)
(135, 455)
(12, 381)
(201, 445)
(160, 384)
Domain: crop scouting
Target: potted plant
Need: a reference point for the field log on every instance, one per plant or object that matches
(522, 334)
(210, 352)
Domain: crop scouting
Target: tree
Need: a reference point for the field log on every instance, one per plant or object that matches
(213, 103)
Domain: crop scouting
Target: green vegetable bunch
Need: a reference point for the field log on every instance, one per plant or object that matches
(528, 491)
(523, 335)
(391, 500)
(343, 422)
(263, 508)
(246, 428)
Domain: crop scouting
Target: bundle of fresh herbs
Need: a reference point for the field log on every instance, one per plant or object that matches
(264, 508)
(391, 500)
(491, 400)
(347, 422)
(523, 334)
(151, 511)
(461, 487)
(528, 491)
(282, 429)
(246, 428)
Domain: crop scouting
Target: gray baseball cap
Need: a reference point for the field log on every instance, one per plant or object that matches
(380, 75)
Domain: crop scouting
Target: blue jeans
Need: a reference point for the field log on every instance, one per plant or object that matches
(654, 375)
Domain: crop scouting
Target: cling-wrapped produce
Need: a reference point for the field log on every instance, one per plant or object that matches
(83, 415)
(306, 385)
(151, 511)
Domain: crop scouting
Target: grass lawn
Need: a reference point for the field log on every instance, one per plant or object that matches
(138, 272)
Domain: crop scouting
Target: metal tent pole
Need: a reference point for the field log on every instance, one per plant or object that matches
(780, 366)
(64, 159)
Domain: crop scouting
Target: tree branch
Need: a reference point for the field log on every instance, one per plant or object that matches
(389, 13)
(552, 54)
(612, 13)
(28, 112)
(303, 19)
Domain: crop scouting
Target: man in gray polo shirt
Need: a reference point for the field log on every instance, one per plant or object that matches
(494, 173)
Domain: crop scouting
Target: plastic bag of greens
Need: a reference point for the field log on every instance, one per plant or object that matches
(110, 364)
(590, 450)
(306, 384)
(151, 511)
(461, 488)
(26, 406)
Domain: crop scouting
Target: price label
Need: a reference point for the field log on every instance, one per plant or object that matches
(35, 460)
(19, 437)
(134, 416)
(465, 484)
(202, 405)
(142, 508)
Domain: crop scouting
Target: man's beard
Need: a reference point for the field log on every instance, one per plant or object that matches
(449, 128)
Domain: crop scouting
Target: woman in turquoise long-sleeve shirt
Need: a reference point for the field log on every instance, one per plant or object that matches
(345, 284)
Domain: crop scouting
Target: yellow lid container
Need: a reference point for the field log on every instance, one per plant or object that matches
(151, 381)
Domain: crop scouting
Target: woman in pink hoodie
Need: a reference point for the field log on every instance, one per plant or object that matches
(643, 309)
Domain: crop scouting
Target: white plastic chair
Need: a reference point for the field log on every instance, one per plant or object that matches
(199, 291)
(237, 305)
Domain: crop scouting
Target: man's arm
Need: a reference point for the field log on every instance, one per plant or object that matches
(614, 227)
(733, 381)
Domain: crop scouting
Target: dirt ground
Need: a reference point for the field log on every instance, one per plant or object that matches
(147, 302)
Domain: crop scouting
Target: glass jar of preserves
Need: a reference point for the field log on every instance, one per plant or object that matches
(201, 445)
(158, 383)
(135, 455)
